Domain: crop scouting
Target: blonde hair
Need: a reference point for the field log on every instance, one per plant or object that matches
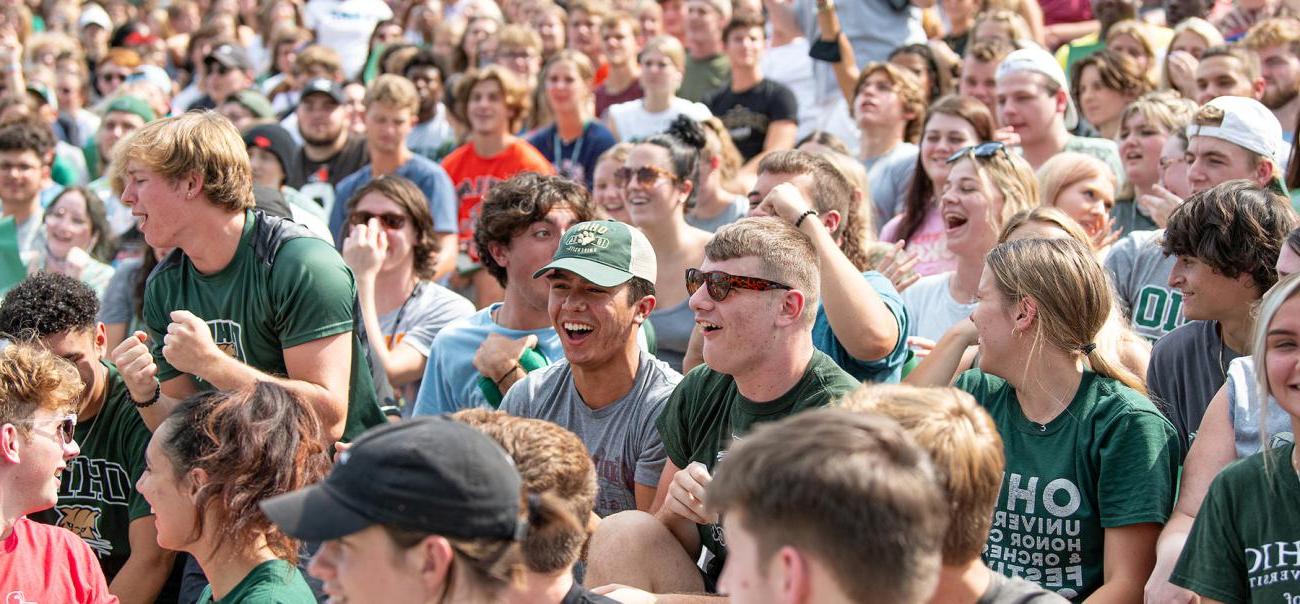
(964, 446)
(1139, 31)
(1277, 31)
(718, 143)
(512, 91)
(1015, 23)
(1012, 176)
(667, 46)
(202, 142)
(1073, 294)
(857, 232)
(908, 89)
(1064, 170)
(32, 378)
(1044, 215)
(394, 90)
(786, 254)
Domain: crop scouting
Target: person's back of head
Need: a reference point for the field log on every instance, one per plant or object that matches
(1236, 228)
(551, 460)
(964, 446)
(830, 492)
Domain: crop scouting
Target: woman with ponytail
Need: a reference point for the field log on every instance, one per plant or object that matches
(660, 178)
(1091, 463)
(426, 510)
(719, 199)
(206, 468)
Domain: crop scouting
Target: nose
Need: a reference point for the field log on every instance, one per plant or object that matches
(322, 564)
(70, 450)
(700, 300)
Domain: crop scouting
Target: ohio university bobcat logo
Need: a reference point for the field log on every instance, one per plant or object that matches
(229, 337)
(83, 521)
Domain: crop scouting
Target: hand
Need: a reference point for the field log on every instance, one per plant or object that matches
(188, 345)
(1182, 71)
(686, 494)
(965, 333)
(785, 201)
(898, 265)
(135, 365)
(340, 448)
(75, 263)
(1007, 136)
(1160, 591)
(1159, 204)
(1106, 234)
(625, 594)
(365, 249)
(499, 354)
(921, 347)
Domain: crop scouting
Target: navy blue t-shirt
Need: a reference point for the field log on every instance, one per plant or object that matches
(577, 159)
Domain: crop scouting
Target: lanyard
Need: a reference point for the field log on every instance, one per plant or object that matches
(397, 324)
(559, 145)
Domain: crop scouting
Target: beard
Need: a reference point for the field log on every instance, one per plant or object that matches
(319, 141)
(1277, 97)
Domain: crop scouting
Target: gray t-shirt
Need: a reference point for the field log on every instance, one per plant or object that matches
(1244, 411)
(118, 305)
(1187, 368)
(931, 307)
(1139, 270)
(621, 436)
(415, 323)
(673, 332)
(1014, 590)
(738, 209)
(889, 177)
(874, 28)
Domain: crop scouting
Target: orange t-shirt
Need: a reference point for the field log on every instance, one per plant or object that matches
(473, 175)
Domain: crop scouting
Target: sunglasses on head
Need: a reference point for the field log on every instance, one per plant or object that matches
(719, 284)
(645, 175)
(980, 151)
(66, 426)
(390, 221)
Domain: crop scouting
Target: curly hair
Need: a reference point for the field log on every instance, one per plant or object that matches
(33, 378)
(253, 443)
(511, 205)
(48, 303)
(1235, 227)
(424, 249)
(28, 134)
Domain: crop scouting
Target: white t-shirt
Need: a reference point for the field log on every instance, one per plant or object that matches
(932, 308)
(634, 123)
(345, 26)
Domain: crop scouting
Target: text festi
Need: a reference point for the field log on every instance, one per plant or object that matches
(1047, 549)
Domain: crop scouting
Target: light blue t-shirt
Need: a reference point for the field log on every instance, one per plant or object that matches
(431, 179)
(886, 370)
(450, 380)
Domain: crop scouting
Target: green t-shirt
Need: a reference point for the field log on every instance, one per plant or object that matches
(700, 78)
(706, 413)
(97, 496)
(1245, 545)
(271, 582)
(1109, 460)
(256, 310)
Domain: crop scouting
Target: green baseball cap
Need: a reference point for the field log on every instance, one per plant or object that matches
(604, 252)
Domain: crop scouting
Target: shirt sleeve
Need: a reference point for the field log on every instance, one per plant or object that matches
(117, 306)
(784, 105)
(651, 458)
(443, 203)
(1138, 468)
(673, 423)
(1211, 563)
(313, 291)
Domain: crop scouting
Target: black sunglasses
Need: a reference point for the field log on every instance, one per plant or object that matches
(390, 221)
(65, 429)
(720, 284)
(980, 151)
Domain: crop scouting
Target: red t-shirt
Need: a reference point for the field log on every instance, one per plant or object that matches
(473, 175)
(43, 564)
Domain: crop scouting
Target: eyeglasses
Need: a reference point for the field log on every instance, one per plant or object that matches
(720, 284)
(645, 175)
(390, 221)
(67, 425)
(980, 151)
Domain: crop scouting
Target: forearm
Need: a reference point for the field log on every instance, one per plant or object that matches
(1118, 591)
(683, 529)
(1061, 33)
(939, 368)
(230, 374)
(861, 321)
(694, 351)
(846, 70)
(142, 577)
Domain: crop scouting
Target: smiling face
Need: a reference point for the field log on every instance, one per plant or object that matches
(1211, 161)
(971, 208)
(619, 44)
(1208, 294)
(660, 200)
(1101, 105)
(979, 80)
(566, 90)
(1222, 75)
(1088, 202)
(1282, 356)
(607, 193)
(488, 114)
(741, 329)
(170, 496)
(21, 175)
(68, 226)
(944, 135)
(1140, 144)
(1025, 105)
(597, 325)
(44, 456)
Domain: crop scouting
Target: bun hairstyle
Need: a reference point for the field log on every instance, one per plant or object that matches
(683, 140)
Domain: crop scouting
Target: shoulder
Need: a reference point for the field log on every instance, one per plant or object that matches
(833, 378)
(1191, 333)
(458, 155)
(421, 166)
(355, 179)
(980, 384)
(460, 331)
(526, 152)
(309, 253)
(541, 137)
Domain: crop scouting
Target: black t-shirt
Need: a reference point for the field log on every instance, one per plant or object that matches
(747, 114)
(349, 159)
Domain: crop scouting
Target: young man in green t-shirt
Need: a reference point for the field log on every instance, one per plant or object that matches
(97, 497)
(755, 297)
(244, 297)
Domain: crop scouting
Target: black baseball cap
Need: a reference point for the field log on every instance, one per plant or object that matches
(323, 86)
(428, 474)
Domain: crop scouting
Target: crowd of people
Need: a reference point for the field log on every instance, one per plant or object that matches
(567, 301)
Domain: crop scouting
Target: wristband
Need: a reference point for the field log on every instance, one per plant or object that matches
(157, 392)
(508, 372)
(806, 214)
(826, 50)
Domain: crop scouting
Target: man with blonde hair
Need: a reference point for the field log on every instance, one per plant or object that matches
(244, 297)
(1276, 44)
(755, 298)
(392, 106)
(966, 450)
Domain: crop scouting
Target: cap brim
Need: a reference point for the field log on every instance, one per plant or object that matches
(313, 514)
(595, 272)
(307, 93)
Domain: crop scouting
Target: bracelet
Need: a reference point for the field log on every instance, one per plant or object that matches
(806, 214)
(508, 373)
(157, 393)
